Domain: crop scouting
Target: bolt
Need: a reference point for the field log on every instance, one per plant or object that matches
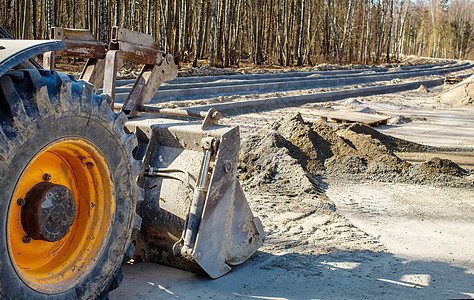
(46, 177)
(21, 201)
(227, 166)
(89, 165)
(26, 239)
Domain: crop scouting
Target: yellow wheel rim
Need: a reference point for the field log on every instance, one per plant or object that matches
(55, 267)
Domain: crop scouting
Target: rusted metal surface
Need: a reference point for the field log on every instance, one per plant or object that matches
(147, 83)
(101, 67)
(79, 43)
(17, 51)
(136, 53)
(130, 105)
(49, 211)
(136, 47)
(158, 67)
(83, 49)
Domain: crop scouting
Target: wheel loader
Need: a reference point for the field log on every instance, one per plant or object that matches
(88, 182)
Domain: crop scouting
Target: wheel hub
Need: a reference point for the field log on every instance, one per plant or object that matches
(49, 211)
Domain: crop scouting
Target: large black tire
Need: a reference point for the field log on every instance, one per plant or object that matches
(38, 108)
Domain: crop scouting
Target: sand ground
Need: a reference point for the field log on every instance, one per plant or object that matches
(384, 240)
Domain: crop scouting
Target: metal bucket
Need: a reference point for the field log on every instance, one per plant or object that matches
(195, 214)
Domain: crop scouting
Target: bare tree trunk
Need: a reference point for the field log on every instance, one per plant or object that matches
(289, 25)
(282, 60)
(169, 26)
(253, 42)
(176, 52)
(162, 27)
(103, 21)
(74, 9)
(208, 16)
(301, 39)
(213, 34)
(220, 33)
(380, 34)
(367, 40)
(199, 37)
(308, 33)
(259, 34)
(182, 31)
(35, 34)
(346, 26)
(334, 31)
(402, 31)
(390, 31)
(237, 32)
(227, 33)
(89, 16)
(26, 20)
(10, 16)
(118, 10)
(149, 16)
(134, 14)
(50, 17)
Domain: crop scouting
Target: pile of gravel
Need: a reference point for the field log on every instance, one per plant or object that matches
(293, 153)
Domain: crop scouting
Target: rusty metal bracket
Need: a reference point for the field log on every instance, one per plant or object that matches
(150, 79)
(210, 118)
(82, 44)
(102, 67)
(158, 67)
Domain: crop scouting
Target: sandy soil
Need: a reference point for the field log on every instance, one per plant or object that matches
(414, 222)
(348, 238)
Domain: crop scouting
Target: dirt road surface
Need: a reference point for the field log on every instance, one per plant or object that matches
(383, 241)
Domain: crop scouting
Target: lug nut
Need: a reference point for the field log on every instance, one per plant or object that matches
(26, 239)
(89, 165)
(46, 177)
(21, 201)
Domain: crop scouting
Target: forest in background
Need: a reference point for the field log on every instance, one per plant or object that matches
(284, 32)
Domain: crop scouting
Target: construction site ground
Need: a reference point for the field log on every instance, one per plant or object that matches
(349, 213)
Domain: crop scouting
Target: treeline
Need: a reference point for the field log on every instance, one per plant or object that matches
(285, 32)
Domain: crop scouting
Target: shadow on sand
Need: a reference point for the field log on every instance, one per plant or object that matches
(338, 275)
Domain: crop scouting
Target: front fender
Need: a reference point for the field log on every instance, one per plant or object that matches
(13, 52)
